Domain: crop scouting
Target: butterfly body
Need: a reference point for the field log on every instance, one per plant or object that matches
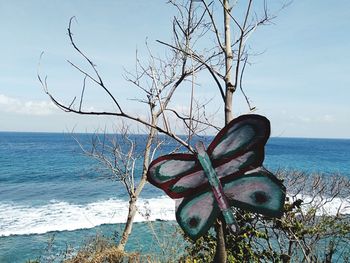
(216, 186)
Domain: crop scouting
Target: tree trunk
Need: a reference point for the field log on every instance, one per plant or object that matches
(136, 193)
(128, 224)
(220, 252)
(229, 86)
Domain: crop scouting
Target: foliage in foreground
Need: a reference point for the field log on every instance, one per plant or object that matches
(99, 249)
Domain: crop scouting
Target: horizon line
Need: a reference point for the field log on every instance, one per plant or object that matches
(109, 133)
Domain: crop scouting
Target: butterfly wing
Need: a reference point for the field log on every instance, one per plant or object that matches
(166, 170)
(193, 219)
(238, 147)
(257, 191)
(197, 214)
(243, 134)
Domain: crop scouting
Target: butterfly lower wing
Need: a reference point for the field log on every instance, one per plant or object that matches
(197, 214)
(257, 191)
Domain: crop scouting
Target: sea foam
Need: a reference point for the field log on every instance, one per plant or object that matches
(62, 216)
(59, 216)
(325, 205)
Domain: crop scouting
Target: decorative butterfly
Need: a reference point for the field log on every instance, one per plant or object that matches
(229, 173)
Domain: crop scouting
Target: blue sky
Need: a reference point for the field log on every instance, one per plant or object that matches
(300, 82)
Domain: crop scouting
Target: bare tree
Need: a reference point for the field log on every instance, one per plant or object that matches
(165, 77)
(315, 227)
(225, 60)
(201, 42)
(118, 156)
(316, 223)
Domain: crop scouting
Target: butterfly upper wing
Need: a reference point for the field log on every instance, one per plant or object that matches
(237, 148)
(166, 170)
(244, 133)
(257, 191)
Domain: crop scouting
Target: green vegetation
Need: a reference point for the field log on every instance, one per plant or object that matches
(102, 250)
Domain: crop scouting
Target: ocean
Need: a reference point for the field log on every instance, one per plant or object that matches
(50, 190)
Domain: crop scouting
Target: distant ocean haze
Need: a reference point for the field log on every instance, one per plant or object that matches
(48, 184)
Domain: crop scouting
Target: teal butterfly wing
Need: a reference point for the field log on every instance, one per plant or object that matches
(257, 191)
(166, 170)
(197, 214)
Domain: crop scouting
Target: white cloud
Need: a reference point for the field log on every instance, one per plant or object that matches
(308, 118)
(327, 118)
(304, 119)
(14, 105)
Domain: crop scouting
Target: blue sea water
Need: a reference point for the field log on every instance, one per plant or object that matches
(47, 185)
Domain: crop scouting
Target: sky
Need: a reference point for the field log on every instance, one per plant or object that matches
(300, 81)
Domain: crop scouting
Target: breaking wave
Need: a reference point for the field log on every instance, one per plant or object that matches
(18, 219)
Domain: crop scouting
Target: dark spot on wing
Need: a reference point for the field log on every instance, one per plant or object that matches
(193, 222)
(260, 197)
